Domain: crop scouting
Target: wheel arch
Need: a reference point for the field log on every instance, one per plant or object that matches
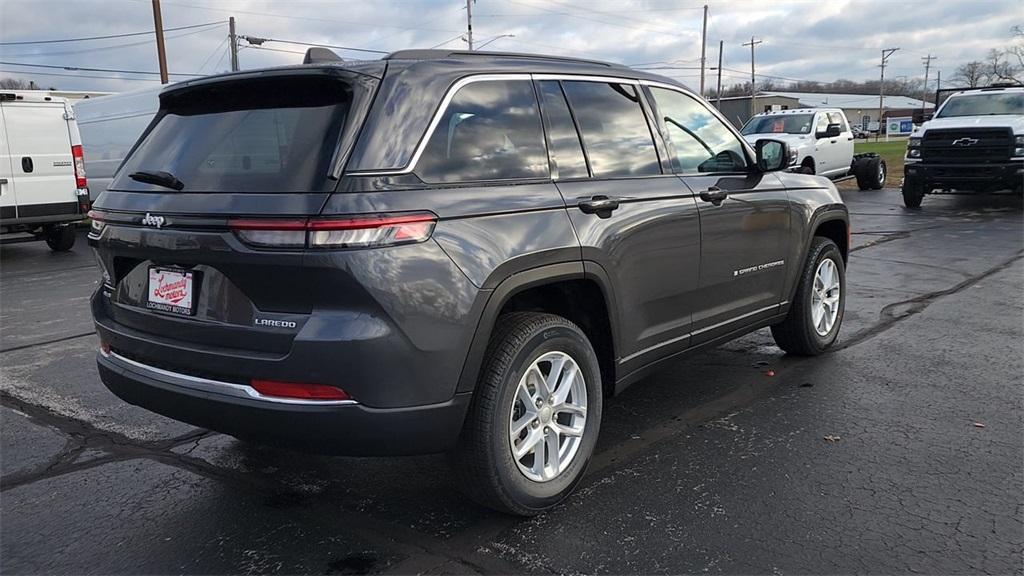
(578, 292)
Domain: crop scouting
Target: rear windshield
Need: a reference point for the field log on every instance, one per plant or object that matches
(262, 135)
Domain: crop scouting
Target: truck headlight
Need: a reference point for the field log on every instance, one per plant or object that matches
(1018, 140)
(914, 147)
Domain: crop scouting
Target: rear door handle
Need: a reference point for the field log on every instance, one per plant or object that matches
(600, 205)
(714, 194)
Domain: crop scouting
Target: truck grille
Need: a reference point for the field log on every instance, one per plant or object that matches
(972, 146)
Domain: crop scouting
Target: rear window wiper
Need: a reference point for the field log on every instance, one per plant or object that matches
(165, 179)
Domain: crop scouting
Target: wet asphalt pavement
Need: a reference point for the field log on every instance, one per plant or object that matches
(711, 465)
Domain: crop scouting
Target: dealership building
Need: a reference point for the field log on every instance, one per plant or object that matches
(860, 109)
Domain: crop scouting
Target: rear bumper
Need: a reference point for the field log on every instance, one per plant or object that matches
(976, 177)
(346, 428)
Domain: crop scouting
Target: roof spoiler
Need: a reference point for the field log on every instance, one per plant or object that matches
(320, 56)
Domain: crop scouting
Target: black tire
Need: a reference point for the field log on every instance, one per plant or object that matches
(860, 172)
(796, 334)
(484, 461)
(60, 238)
(807, 167)
(912, 195)
(876, 172)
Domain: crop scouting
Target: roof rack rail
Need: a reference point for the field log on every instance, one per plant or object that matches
(428, 54)
(319, 55)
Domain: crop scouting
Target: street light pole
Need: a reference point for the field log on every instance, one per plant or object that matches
(718, 94)
(753, 81)
(886, 52)
(703, 50)
(469, 24)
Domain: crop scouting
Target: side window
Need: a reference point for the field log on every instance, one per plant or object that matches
(614, 129)
(822, 124)
(837, 118)
(701, 142)
(491, 130)
(564, 141)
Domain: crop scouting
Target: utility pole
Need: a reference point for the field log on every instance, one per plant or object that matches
(753, 81)
(886, 52)
(161, 53)
(233, 40)
(924, 91)
(718, 97)
(469, 24)
(703, 49)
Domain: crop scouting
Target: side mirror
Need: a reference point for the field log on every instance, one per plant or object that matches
(772, 155)
(832, 131)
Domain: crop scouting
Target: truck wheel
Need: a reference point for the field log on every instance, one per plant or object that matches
(912, 195)
(807, 167)
(60, 238)
(860, 171)
(534, 418)
(875, 173)
(816, 313)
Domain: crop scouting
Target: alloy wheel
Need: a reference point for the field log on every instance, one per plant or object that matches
(825, 297)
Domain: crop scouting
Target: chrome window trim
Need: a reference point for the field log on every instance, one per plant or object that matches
(213, 386)
(466, 80)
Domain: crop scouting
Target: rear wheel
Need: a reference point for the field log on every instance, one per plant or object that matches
(816, 313)
(60, 238)
(876, 172)
(534, 418)
(860, 173)
(912, 194)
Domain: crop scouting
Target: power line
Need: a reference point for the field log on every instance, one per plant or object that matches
(256, 40)
(271, 49)
(107, 37)
(23, 72)
(89, 69)
(98, 49)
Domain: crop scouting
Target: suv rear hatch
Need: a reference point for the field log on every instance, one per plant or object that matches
(183, 261)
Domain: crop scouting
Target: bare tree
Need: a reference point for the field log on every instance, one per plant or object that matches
(16, 84)
(971, 74)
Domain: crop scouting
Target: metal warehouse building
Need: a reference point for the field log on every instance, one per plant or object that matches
(860, 109)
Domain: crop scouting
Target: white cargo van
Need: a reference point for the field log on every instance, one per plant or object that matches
(43, 189)
(110, 125)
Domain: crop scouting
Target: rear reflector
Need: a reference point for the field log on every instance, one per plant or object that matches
(298, 391)
(351, 232)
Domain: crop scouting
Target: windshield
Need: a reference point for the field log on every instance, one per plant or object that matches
(780, 124)
(983, 105)
(255, 136)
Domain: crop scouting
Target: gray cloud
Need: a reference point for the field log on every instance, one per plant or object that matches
(818, 40)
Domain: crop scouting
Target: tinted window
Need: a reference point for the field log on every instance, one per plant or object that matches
(701, 142)
(837, 118)
(614, 129)
(108, 141)
(564, 140)
(245, 137)
(491, 130)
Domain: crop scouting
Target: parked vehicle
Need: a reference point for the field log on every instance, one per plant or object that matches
(823, 143)
(43, 189)
(860, 133)
(443, 251)
(110, 126)
(974, 144)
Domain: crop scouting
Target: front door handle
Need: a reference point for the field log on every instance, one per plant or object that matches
(714, 194)
(600, 205)
(26, 164)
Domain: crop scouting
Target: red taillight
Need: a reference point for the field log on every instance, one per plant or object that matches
(298, 390)
(349, 232)
(79, 160)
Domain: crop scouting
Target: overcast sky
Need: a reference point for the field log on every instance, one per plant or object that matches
(802, 39)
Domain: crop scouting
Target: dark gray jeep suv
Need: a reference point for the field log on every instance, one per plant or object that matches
(447, 252)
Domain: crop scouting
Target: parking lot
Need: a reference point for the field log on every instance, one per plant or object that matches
(899, 451)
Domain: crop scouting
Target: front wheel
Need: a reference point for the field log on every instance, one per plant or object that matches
(816, 313)
(534, 418)
(912, 195)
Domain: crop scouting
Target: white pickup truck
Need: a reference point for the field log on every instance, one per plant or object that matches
(822, 141)
(974, 144)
